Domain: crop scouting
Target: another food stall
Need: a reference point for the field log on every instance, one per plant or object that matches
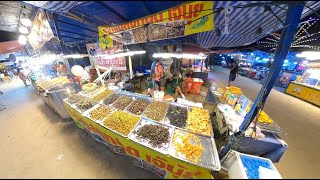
(307, 86)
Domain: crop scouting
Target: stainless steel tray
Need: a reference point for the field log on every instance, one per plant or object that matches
(118, 93)
(166, 120)
(132, 98)
(149, 100)
(209, 158)
(210, 125)
(161, 120)
(87, 112)
(164, 149)
(272, 128)
(101, 123)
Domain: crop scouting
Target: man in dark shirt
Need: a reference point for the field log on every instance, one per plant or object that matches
(233, 72)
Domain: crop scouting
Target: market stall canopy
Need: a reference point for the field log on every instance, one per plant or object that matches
(78, 22)
(10, 46)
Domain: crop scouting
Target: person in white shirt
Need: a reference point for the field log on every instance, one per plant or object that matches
(85, 77)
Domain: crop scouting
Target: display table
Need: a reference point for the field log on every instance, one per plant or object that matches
(164, 165)
(304, 92)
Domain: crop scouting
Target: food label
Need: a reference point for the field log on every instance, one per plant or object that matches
(161, 164)
(189, 18)
(305, 93)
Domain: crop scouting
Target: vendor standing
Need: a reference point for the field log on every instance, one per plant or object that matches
(152, 74)
(62, 69)
(159, 75)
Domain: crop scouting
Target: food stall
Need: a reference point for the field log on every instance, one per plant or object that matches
(261, 138)
(307, 86)
(168, 139)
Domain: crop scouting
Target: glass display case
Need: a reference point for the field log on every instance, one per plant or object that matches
(311, 77)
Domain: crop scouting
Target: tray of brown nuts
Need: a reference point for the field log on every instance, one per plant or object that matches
(156, 111)
(98, 112)
(112, 98)
(153, 135)
(123, 102)
(85, 104)
(74, 99)
(138, 106)
(120, 122)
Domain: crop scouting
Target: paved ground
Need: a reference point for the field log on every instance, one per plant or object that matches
(36, 143)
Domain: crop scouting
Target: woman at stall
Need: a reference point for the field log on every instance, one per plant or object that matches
(62, 69)
(176, 84)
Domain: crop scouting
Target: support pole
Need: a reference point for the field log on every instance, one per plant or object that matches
(292, 20)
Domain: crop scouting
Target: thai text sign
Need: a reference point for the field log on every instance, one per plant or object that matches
(189, 18)
(161, 164)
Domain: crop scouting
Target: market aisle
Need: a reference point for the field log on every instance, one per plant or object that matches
(300, 120)
(37, 143)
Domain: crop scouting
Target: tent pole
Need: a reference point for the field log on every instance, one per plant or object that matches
(294, 12)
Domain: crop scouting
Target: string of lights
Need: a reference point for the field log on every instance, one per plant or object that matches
(301, 37)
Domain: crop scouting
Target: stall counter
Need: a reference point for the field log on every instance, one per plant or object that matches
(160, 164)
(304, 92)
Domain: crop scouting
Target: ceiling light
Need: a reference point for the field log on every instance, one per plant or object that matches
(23, 30)
(22, 39)
(26, 22)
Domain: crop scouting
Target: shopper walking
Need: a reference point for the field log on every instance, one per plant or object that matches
(233, 72)
(23, 77)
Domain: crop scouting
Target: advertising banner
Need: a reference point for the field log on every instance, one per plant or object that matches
(303, 92)
(41, 31)
(141, 156)
(189, 18)
(119, 64)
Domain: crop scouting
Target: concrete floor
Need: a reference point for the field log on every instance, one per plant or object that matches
(36, 143)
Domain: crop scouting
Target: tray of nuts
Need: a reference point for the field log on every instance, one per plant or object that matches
(102, 95)
(156, 111)
(74, 99)
(85, 104)
(199, 121)
(138, 106)
(98, 112)
(112, 98)
(120, 122)
(177, 116)
(153, 135)
(123, 102)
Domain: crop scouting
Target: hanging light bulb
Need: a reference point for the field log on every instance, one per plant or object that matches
(22, 39)
(23, 30)
(26, 21)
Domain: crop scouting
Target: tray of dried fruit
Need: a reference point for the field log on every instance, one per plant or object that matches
(195, 149)
(153, 135)
(156, 111)
(139, 105)
(199, 121)
(120, 122)
(84, 104)
(176, 116)
(98, 112)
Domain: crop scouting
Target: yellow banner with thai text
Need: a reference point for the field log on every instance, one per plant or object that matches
(189, 18)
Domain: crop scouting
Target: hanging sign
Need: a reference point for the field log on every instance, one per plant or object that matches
(189, 18)
(41, 31)
(119, 64)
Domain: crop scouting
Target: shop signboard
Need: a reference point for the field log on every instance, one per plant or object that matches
(41, 31)
(160, 164)
(309, 94)
(186, 19)
(119, 64)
